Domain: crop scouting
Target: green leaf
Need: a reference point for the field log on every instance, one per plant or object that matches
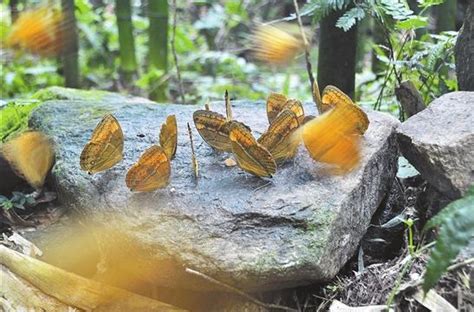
(457, 229)
(6, 205)
(350, 18)
(413, 22)
(428, 3)
(397, 9)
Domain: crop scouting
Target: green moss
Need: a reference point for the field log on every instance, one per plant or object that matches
(60, 93)
(14, 118)
(265, 262)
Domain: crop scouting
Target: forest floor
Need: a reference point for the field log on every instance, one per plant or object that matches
(370, 278)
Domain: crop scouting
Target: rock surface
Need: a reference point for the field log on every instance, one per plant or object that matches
(299, 227)
(439, 142)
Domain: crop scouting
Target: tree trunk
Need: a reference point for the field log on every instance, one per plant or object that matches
(128, 62)
(464, 52)
(158, 44)
(445, 16)
(337, 55)
(70, 53)
(14, 10)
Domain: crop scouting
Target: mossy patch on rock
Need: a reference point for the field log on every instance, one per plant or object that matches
(60, 93)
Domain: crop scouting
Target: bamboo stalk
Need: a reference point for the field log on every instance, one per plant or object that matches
(70, 55)
(175, 55)
(158, 44)
(128, 62)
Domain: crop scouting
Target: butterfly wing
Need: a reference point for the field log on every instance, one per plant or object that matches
(297, 108)
(250, 155)
(213, 129)
(335, 98)
(40, 31)
(169, 136)
(277, 139)
(275, 104)
(31, 155)
(275, 45)
(344, 153)
(151, 171)
(329, 138)
(105, 149)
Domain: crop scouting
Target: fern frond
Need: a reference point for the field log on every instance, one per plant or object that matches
(350, 18)
(456, 230)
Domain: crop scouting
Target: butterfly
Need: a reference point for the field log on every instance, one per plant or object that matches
(332, 97)
(278, 138)
(105, 148)
(276, 44)
(151, 171)
(41, 31)
(331, 139)
(214, 129)
(250, 155)
(169, 136)
(31, 155)
(276, 102)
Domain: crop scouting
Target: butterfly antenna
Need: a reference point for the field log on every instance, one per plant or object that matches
(228, 108)
(193, 153)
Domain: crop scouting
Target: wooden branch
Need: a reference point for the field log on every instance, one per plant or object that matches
(20, 295)
(74, 290)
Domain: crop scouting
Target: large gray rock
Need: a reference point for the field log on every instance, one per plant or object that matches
(439, 142)
(299, 227)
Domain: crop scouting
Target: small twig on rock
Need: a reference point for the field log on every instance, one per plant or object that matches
(460, 264)
(175, 56)
(193, 154)
(240, 292)
(309, 67)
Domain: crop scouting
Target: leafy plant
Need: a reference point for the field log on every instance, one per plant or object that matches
(411, 245)
(14, 117)
(18, 200)
(456, 222)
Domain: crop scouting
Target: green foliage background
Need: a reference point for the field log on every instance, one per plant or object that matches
(212, 45)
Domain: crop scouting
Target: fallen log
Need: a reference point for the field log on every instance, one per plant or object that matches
(74, 290)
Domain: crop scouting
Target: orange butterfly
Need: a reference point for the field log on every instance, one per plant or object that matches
(105, 148)
(277, 139)
(169, 136)
(329, 138)
(250, 155)
(333, 97)
(276, 102)
(40, 30)
(334, 137)
(213, 128)
(277, 44)
(31, 155)
(151, 171)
